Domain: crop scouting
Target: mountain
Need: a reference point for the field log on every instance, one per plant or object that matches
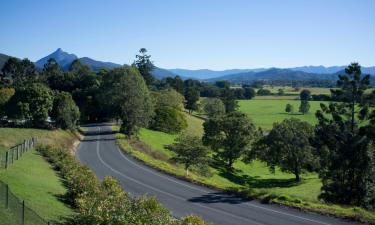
(97, 65)
(64, 59)
(162, 73)
(331, 69)
(3, 59)
(204, 74)
(275, 74)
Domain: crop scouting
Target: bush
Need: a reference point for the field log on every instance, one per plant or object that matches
(106, 202)
(264, 92)
(65, 112)
(168, 120)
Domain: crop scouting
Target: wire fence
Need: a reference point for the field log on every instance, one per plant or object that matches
(18, 209)
(8, 157)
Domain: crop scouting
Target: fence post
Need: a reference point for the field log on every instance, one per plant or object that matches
(12, 153)
(17, 156)
(6, 160)
(6, 196)
(23, 213)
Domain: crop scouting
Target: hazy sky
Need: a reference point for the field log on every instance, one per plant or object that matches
(214, 34)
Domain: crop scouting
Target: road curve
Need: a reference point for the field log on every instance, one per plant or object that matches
(99, 151)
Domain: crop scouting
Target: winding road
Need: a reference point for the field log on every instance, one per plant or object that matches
(99, 151)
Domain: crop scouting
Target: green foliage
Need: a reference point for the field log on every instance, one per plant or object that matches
(189, 151)
(280, 91)
(228, 97)
(18, 72)
(5, 95)
(305, 95)
(345, 142)
(304, 107)
(127, 97)
(229, 135)
(168, 119)
(170, 98)
(289, 108)
(65, 112)
(213, 107)
(191, 97)
(106, 202)
(263, 92)
(288, 146)
(249, 93)
(145, 66)
(33, 102)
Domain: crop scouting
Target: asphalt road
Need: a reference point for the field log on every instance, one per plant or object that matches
(99, 151)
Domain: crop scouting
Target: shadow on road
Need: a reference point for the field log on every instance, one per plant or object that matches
(218, 197)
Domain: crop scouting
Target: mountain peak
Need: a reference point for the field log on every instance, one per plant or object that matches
(64, 59)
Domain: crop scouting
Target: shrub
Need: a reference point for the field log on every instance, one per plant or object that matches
(168, 120)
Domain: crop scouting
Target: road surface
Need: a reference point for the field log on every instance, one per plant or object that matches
(99, 151)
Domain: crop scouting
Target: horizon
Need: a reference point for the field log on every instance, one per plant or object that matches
(220, 36)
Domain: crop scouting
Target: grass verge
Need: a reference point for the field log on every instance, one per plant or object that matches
(251, 180)
(31, 178)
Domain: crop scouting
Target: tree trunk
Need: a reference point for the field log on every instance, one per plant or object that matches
(187, 170)
(297, 176)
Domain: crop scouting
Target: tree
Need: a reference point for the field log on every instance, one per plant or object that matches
(229, 136)
(239, 93)
(19, 71)
(191, 97)
(170, 98)
(189, 151)
(249, 93)
(304, 107)
(5, 96)
(213, 107)
(126, 95)
(345, 142)
(33, 102)
(228, 98)
(280, 92)
(145, 66)
(168, 120)
(305, 95)
(65, 112)
(263, 92)
(289, 108)
(288, 146)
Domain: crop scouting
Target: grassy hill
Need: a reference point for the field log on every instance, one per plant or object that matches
(31, 178)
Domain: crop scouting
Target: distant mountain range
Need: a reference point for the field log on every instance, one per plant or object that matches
(65, 59)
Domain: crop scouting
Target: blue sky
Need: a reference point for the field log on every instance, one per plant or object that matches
(191, 34)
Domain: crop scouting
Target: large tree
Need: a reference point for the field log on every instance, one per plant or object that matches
(213, 107)
(128, 98)
(65, 112)
(191, 97)
(229, 135)
(145, 65)
(229, 99)
(189, 151)
(18, 72)
(288, 146)
(345, 142)
(32, 102)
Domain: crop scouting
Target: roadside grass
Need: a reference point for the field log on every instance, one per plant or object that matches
(31, 178)
(253, 180)
(266, 112)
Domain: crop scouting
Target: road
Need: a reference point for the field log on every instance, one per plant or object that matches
(99, 151)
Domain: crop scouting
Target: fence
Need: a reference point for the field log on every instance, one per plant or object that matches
(8, 157)
(17, 209)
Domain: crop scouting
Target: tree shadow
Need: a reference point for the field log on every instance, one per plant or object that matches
(237, 176)
(218, 197)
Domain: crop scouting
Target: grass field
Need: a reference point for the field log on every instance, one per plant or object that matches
(266, 112)
(252, 179)
(31, 178)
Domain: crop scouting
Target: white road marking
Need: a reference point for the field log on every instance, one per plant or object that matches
(207, 192)
(166, 193)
